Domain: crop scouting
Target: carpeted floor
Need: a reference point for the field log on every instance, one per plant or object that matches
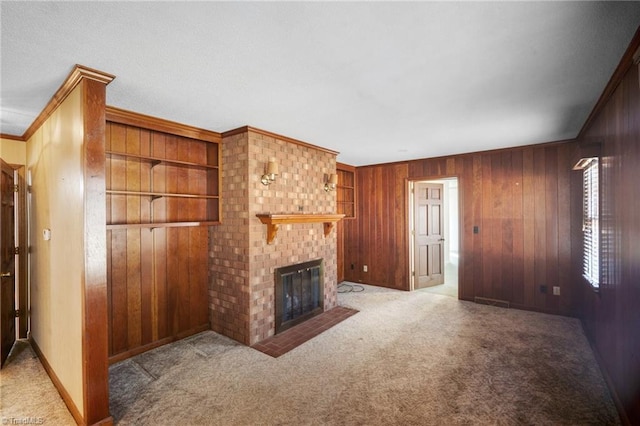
(450, 286)
(403, 359)
(27, 395)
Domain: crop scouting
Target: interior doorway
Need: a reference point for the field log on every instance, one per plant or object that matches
(13, 274)
(434, 236)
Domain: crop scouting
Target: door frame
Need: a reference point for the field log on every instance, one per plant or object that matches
(20, 231)
(21, 301)
(410, 237)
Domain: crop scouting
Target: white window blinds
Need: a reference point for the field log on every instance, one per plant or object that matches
(591, 223)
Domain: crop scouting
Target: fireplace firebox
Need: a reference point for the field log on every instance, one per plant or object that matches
(299, 293)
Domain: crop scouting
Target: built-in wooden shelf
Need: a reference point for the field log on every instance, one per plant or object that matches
(273, 221)
(155, 195)
(157, 160)
(346, 190)
(160, 225)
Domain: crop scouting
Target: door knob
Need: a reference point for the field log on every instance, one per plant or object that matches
(6, 275)
(441, 239)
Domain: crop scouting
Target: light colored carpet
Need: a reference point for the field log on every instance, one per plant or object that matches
(450, 286)
(27, 395)
(404, 359)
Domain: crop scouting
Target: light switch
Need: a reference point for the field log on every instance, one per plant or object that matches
(46, 234)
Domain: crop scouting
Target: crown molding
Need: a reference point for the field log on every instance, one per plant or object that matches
(121, 116)
(76, 75)
(12, 137)
(247, 129)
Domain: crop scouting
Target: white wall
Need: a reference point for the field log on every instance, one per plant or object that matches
(54, 160)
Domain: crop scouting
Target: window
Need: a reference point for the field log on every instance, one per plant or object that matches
(591, 222)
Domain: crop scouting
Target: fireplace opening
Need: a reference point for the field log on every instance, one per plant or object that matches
(299, 293)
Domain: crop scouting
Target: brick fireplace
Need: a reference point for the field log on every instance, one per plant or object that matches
(243, 265)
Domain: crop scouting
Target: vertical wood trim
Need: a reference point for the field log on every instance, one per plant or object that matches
(551, 221)
(465, 203)
(487, 230)
(528, 212)
(518, 229)
(478, 255)
(22, 258)
(95, 363)
(508, 220)
(564, 228)
(540, 227)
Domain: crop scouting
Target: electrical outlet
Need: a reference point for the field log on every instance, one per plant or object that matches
(364, 268)
(556, 290)
(543, 289)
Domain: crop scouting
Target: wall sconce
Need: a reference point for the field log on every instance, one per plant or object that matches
(270, 173)
(330, 184)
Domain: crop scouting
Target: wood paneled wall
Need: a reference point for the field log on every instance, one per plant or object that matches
(157, 286)
(519, 200)
(377, 237)
(157, 278)
(612, 316)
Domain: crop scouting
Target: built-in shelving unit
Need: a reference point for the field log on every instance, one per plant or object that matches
(346, 190)
(157, 180)
(345, 204)
(162, 192)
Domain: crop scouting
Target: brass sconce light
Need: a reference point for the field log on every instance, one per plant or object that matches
(270, 173)
(330, 184)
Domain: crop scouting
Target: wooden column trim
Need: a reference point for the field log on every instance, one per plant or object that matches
(95, 349)
(78, 74)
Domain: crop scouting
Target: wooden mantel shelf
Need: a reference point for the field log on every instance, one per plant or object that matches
(273, 221)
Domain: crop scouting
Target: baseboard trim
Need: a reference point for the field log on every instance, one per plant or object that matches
(77, 416)
(140, 349)
(492, 302)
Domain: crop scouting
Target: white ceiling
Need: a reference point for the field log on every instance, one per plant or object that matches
(376, 81)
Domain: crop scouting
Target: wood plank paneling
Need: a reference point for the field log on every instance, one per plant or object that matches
(512, 196)
(157, 278)
(526, 203)
(146, 286)
(540, 229)
(117, 283)
(379, 237)
(529, 227)
(517, 287)
(611, 316)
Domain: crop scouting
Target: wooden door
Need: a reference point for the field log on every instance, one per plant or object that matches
(428, 234)
(7, 263)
